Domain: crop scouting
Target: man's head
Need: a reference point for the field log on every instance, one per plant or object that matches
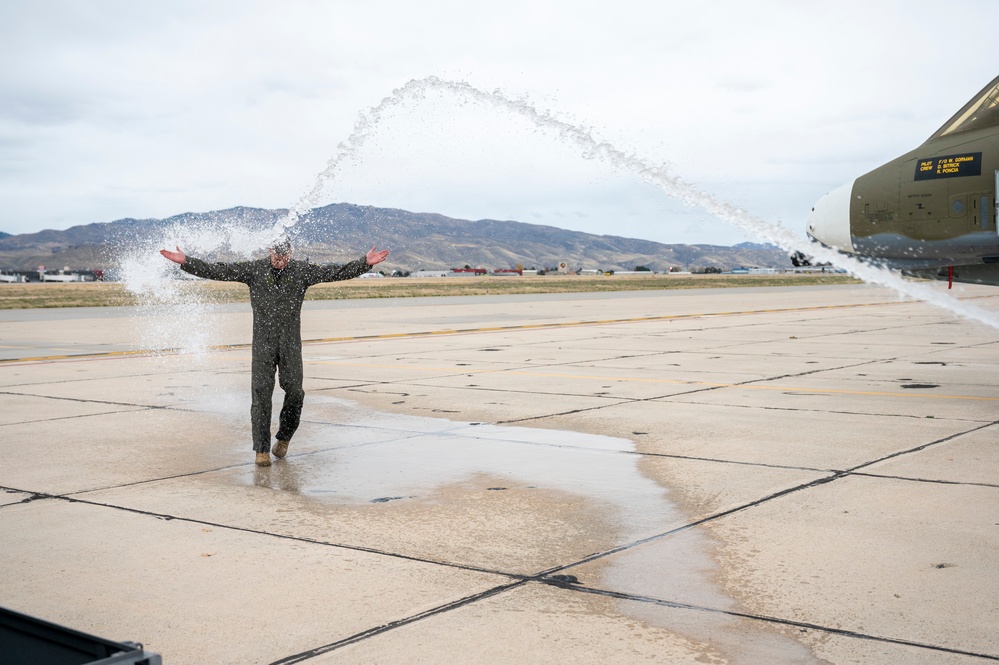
(280, 251)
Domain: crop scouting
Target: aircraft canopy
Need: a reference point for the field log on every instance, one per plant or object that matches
(981, 111)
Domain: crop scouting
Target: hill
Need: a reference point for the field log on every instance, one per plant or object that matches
(418, 241)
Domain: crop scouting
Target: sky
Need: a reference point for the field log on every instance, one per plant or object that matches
(110, 109)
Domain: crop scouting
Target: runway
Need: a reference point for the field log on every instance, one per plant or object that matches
(792, 475)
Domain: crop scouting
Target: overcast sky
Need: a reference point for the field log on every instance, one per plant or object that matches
(149, 109)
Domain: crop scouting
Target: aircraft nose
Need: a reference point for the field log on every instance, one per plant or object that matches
(829, 221)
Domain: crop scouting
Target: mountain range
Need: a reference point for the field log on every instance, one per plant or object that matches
(418, 241)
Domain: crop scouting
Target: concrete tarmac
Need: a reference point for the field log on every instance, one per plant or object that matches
(766, 475)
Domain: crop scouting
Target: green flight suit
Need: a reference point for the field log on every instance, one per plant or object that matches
(276, 299)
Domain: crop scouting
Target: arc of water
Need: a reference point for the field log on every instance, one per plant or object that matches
(657, 175)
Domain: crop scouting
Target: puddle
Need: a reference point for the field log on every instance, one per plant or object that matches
(402, 460)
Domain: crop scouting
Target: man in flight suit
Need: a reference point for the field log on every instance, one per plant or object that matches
(277, 288)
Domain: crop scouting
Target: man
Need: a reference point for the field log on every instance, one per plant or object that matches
(277, 288)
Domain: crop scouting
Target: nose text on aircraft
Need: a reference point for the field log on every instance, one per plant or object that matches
(949, 166)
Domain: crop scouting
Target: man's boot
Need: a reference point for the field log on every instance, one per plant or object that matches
(280, 449)
(263, 459)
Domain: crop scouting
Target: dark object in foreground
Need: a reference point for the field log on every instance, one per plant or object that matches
(25, 639)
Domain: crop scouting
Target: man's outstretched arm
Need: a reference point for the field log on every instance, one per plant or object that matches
(226, 272)
(335, 273)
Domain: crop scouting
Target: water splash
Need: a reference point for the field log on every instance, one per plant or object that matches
(175, 314)
(657, 175)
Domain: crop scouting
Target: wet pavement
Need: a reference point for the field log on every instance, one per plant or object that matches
(793, 475)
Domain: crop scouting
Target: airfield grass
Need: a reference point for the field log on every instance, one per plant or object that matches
(111, 294)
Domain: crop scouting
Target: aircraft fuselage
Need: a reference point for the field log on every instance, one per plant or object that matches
(932, 209)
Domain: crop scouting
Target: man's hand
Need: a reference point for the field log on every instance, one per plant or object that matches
(180, 257)
(373, 257)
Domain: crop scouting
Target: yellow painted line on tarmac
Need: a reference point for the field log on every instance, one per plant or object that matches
(971, 398)
(81, 356)
(594, 322)
(455, 331)
(709, 384)
(760, 386)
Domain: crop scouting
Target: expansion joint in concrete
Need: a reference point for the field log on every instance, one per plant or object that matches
(767, 619)
(371, 632)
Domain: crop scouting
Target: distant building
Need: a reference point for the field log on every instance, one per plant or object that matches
(63, 276)
(753, 271)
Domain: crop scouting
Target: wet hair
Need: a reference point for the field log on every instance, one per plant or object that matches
(281, 246)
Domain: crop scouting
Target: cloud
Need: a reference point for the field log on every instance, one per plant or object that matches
(124, 109)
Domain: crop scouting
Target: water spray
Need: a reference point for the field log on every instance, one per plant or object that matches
(233, 235)
(657, 175)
